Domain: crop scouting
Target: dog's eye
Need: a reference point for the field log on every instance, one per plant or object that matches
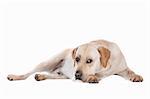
(89, 61)
(77, 59)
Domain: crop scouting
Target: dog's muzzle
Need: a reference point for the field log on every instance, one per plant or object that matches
(78, 75)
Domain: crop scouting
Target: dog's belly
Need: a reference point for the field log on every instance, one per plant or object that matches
(68, 68)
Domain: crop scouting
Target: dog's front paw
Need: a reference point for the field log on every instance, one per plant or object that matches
(92, 79)
(136, 78)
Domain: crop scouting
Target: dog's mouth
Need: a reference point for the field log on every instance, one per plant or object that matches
(80, 79)
(80, 76)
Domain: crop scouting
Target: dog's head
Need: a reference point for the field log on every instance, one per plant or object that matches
(88, 60)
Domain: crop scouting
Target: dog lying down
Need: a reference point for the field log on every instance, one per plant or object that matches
(89, 62)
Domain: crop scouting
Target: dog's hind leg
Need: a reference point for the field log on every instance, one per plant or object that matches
(49, 65)
(40, 77)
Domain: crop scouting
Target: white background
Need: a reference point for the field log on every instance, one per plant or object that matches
(33, 30)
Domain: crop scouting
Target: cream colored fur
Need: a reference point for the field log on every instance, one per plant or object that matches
(64, 66)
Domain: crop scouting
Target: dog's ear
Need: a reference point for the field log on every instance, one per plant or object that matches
(105, 55)
(74, 52)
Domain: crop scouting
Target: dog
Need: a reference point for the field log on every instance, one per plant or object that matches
(88, 62)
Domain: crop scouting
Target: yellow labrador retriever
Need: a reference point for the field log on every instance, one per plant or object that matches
(89, 62)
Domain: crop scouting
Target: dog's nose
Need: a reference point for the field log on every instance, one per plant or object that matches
(78, 75)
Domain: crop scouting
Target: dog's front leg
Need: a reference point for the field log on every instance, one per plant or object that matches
(130, 75)
(94, 78)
